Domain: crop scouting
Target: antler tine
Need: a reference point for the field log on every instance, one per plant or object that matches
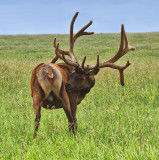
(54, 42)
(97, 64)
(71, 32)
(126, 41)
(60, 50)
(68, 61)
(62, 56)
(81, 31)
(90, 67)
(55, 57)
(83, 62)
(121, 71)
(125, 37)
(122, 49)
(57, 51)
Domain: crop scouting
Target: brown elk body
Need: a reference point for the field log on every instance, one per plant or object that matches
(64, 85)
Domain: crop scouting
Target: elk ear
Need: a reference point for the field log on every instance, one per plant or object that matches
(94, 72)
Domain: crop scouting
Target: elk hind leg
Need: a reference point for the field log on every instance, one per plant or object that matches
(37, 111)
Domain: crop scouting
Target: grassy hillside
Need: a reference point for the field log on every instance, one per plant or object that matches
(114, 122)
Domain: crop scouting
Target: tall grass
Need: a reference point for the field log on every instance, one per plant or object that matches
(114, 122)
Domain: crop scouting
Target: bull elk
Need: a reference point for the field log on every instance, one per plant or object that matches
(64, 85)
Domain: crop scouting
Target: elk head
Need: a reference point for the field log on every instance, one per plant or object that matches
(80, 80)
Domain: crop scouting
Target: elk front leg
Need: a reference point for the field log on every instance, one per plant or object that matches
(73, 104)
(67, 109)
(73, 111)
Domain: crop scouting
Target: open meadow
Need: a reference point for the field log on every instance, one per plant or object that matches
(114, 122)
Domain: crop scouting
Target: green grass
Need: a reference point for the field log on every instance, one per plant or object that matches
(114, 122)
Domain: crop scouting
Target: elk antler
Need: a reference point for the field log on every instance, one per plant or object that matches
(123, 49)
(61, 53)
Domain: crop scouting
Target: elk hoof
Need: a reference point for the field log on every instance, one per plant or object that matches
(71, 127)
(75, 126)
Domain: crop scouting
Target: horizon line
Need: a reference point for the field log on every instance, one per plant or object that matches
(68, 33)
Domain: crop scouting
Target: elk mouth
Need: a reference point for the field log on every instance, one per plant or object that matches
(69, 88)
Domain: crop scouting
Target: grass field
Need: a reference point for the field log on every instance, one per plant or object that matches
(114, 122)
